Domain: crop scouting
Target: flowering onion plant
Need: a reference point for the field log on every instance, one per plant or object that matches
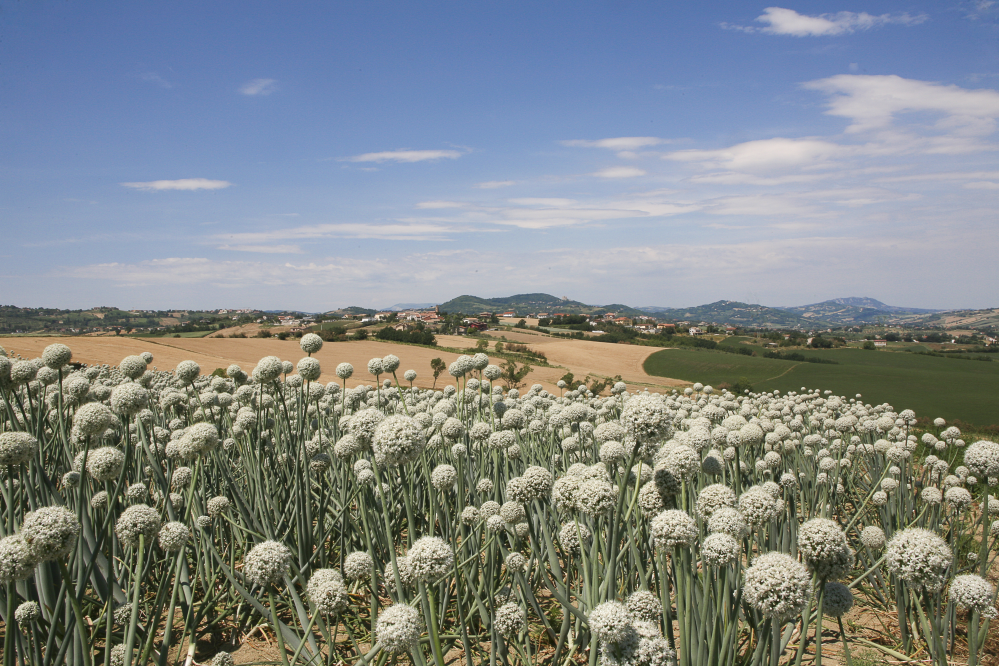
(147, 511)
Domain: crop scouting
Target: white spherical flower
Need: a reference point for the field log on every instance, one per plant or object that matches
(267, 563)
(645, 606)
(982, 458)
(646, 418)
(713, 497)
(410, 376)
(132, 367)
(919, 557)
(135, 521)
(612, 452)
(484, 486)
(510, 620)
(673, 528)
(105, 463)
(777, 586)
(974, 593)
(719, 549)
(650, 500)
(469, 515)
(495, 524)
(17, 561)
(326, 591)
(27, 613)
(308, 369)
(390, 363)
(758, 506)
(187, 372)
(375, 367)
(128, 399)
(515, 562)
(879, 498)
(173, 536)
(824, 548)
(610, 622)
(17, 448)
(344, 370)
(92, 418)
(728, 520)
(217, 506)
(443, 477)
(431, 558)
(596, 497)
(357, 566)
(958, 497)
(873, 537)
(538, 482)
(99, 500)
(310, 343)
(50, 532)
(399, 628)
(572, 534)
(837, 600)
(931, 495)
(398, 440)
(268, 369)
(57, 355)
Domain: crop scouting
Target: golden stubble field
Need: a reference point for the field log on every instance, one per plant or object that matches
(581, 357)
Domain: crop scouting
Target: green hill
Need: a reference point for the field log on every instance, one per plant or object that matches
(739, 314)
(947, 387)
(524, 304)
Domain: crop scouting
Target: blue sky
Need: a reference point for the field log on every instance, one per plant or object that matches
(314, 155)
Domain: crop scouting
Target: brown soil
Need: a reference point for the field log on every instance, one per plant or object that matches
(578, 356)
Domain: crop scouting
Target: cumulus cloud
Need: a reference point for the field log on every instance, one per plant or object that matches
(620, 172)
(187, 184)
(406, 156)
(153, 77)
(873, 102)
(781, 21)
(618, 143)
(258, 87)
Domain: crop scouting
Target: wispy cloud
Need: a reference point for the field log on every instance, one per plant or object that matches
(406, 156)
(764, 155)
(620, 172)
(618, 143)
(187, 184)
(398, 231)
(263, 249)
(494, 184)
(781, 21)
(153, 77)
(259, 87)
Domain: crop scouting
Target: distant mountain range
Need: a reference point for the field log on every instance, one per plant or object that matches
(398, 307)
(836, 312)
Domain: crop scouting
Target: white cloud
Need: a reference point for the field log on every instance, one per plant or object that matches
(872, 102)
(781, 21)
(493, 184)
(764, 155)
(406, 156)
(263, 249)
(620, 172)
(618, 143)
(440, 204)
(188, 184)
(982, 185)
(259, 87)
(547, 202)
(421, 230)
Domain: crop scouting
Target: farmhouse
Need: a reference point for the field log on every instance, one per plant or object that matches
(877, 343)
(695, 330)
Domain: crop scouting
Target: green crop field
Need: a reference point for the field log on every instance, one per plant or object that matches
(932, 386)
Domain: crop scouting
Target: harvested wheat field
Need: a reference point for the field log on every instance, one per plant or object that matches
(577, 356)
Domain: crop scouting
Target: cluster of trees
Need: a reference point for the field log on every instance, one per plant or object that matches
(416, 336)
